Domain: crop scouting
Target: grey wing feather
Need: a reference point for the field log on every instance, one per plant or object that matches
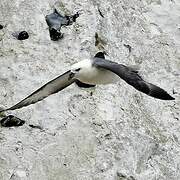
(132, 77)
(49, 88)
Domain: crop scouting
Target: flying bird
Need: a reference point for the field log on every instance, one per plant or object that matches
(96, 70)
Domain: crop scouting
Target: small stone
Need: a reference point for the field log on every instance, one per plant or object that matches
(10, 121)
(21, 35)
(1, 26)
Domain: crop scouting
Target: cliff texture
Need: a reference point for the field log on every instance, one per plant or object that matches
(110, 132)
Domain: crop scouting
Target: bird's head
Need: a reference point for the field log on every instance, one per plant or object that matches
(74, 73)
(80, 68)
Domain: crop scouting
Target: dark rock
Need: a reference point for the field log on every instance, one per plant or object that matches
(21, 35)
(1, 26)
(55, 35)
(84, 85)
(55, 21)
(10, 121)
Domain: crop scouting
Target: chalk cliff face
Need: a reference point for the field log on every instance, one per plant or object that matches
(110, 132)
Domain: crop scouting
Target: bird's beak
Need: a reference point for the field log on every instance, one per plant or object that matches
(71, 75)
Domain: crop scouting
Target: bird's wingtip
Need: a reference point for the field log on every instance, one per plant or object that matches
(170, 98)
(159, 93)
(165, 96)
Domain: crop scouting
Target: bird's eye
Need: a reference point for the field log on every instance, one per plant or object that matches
(77, 69)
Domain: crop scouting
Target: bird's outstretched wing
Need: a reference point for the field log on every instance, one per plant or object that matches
(51, 87)
(132, 77)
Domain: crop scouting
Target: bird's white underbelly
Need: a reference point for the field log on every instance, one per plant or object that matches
(97, 76)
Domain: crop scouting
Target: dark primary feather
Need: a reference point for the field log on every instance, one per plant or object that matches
(132, 77)
(49, 88)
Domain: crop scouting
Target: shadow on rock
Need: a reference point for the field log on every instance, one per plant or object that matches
(10, 121)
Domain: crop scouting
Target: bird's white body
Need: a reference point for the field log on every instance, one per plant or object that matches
(92, 75)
